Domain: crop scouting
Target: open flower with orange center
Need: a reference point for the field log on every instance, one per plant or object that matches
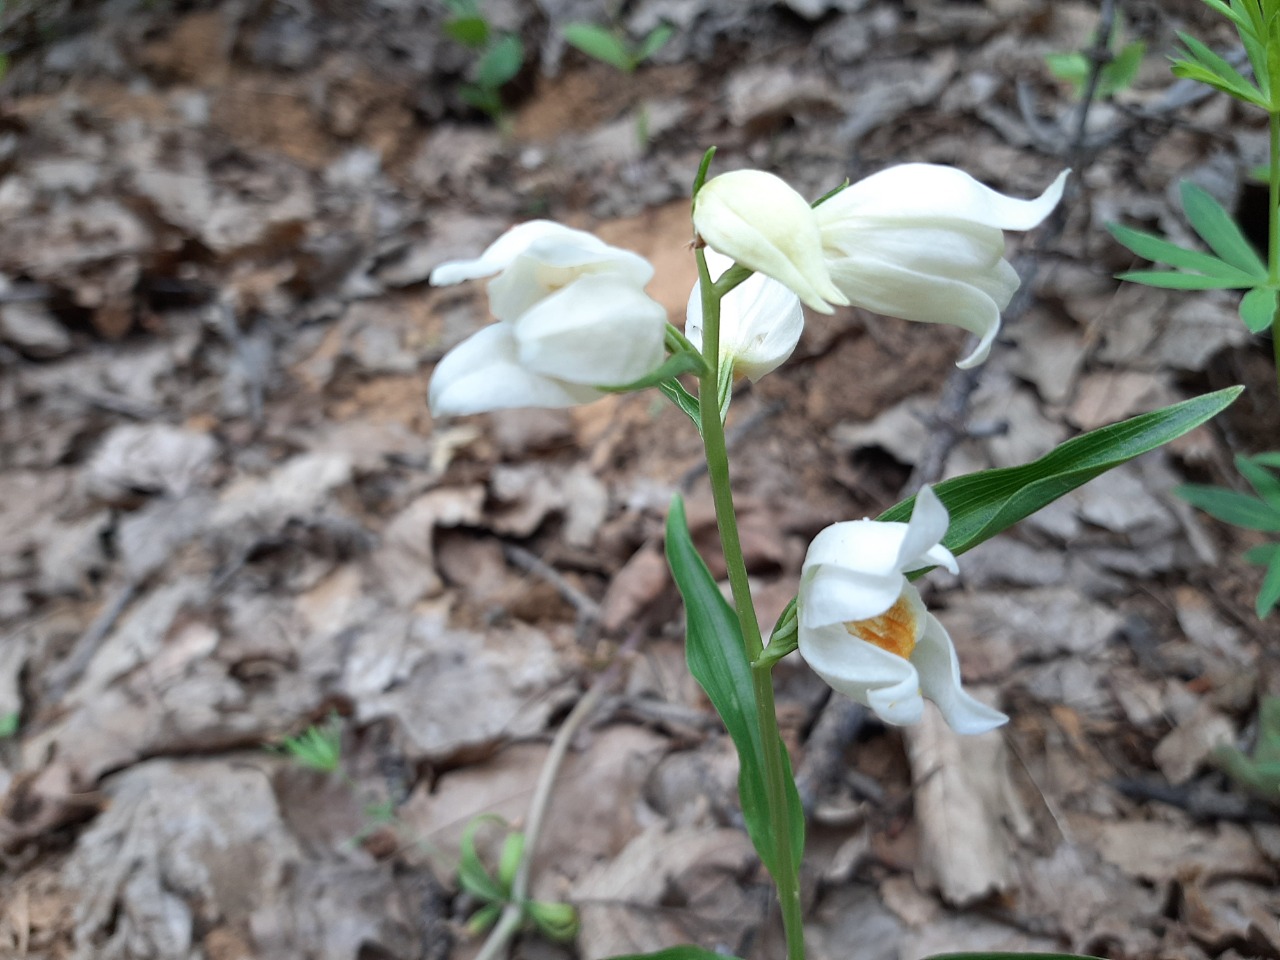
(864, 629)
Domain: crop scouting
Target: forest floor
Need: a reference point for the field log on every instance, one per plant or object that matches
(226, 514)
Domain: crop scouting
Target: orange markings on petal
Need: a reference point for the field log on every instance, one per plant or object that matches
(896, 630)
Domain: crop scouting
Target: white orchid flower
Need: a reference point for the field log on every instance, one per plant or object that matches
(864, 629)
(758, 220)
(572, 317)
(760, 322)
(923, 242)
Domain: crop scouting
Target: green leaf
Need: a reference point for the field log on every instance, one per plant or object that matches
(1262, 555)
(557, 921)
(717, 659)
(1269, 595)
(484, 918)
(1271, 459)
(655, 41)
(677, 953)
(318, 748)
(1260, 478)
(674, 391)
(1215, 71)
(1172, 280)
(1160, 250)
(1010, 956)
(1121, 71)
(1220, 231)
(473, 876)
(1072, 68)
(600, 43)
(983, 504)
(470, 31)
(509, 862)
(8, 724)
(481, 98)
(1258, 308)
(500, 63)
(1259, 774)
(1231, 506)
(674, 366)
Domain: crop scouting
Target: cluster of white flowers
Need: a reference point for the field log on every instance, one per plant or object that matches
(917, 241)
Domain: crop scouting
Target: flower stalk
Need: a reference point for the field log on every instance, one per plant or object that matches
(786, 877)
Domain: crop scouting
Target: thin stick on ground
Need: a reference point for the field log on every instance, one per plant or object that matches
(512, 917)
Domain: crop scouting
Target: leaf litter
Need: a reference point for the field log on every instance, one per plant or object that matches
(226, 512)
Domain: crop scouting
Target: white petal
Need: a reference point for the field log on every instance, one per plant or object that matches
(758, 220)
(760, 321)
(598, 331)
(929, 522)
(894, 291)
(864, 673)
(832, 594)
(869, 546)
(483, 373)
(499, 254)
(935, 658)
(932, 192)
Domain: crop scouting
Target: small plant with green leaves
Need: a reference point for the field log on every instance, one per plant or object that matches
(1117, 73)
(319, 747)
(499, 57)
(611, 47)
(1259, 774)
(1234, 264)
(497, 894)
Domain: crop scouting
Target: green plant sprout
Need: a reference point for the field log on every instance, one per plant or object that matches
(1260, 773)
(499, 57)
(319, 747)
(8, 724)
(1234, 264)
(555, 921)
(1116, 74)
(610, 47)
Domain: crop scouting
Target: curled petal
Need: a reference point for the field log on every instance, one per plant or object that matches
(939, 669)
(835, 594)
(484, 373)
(863, 672)
(933, 192)
(922, 543)
(758, 220)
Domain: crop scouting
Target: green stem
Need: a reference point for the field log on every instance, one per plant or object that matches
(786, 876)
(1273, 244)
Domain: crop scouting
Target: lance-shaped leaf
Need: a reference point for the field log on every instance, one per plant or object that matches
(1217, 228)
(677, 953)
(1267, 555)
(1160, 250)
(717, 659)
(983, 504)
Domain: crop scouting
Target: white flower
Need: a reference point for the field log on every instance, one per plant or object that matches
(760, 321)
(923, 242)
(572, 316)
(756, 219)
(864, 629)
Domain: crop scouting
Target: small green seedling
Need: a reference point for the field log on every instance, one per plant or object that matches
(609, 46)
(1261, 512)
(1236, 266)
(499, 57)
(556, 921)
(1259, 774)
(8, 724)
(319, 747)
(1116, 74)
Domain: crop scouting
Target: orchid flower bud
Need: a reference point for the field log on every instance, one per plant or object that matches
(573, 317)
(760, 322)
(756, 219)
(864, 629)
(923, 242)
